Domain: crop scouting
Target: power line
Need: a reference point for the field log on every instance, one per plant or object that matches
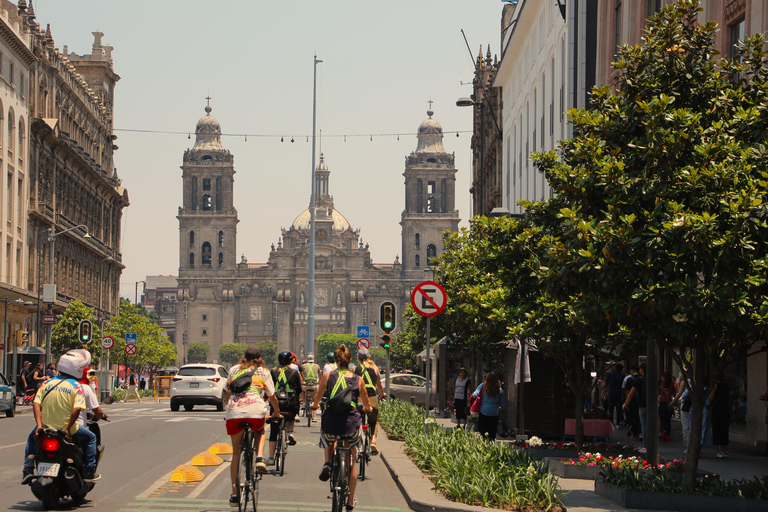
(282, 137)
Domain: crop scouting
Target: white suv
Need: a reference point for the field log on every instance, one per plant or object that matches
(199, 384)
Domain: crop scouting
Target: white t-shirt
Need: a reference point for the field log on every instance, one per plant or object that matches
(91, 403)
(253, 402)
(461, 389)
(329, 367)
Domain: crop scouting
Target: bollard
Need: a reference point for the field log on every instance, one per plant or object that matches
(413, 399)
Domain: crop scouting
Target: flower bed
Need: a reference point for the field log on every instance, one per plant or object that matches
(562, 450)
(586, 466)
(469, 469)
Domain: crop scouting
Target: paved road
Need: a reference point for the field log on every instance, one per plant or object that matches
(146, 442)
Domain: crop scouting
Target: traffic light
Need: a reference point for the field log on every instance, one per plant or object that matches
(386, 342)
(387, 314)
(85, 331)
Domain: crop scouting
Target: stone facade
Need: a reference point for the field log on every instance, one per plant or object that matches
(220, 301)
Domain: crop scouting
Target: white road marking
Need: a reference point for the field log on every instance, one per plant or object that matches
(208, 479)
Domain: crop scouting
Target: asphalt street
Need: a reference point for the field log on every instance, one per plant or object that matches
(146, 442)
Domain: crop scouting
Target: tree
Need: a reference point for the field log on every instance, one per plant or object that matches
(664, 187)
(328, 342)
(198, 352)
(231, 353)
(64, 334)
(153, 349)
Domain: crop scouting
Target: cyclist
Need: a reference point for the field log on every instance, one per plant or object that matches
(310, 371)
(249, 406)
(288, 386)
(347, 424)
(368, 370)
(330, 365)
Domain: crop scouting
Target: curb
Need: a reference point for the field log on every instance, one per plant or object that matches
(413, 483)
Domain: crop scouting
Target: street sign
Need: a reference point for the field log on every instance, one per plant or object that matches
(363, 343)
(130, 338)
(49, 318)
(130, 349)
(428, 298)
(363, 331)
(107, 342)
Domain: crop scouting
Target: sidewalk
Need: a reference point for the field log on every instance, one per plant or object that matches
(742, 462)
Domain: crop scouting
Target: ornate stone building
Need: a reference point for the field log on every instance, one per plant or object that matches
(221, 301)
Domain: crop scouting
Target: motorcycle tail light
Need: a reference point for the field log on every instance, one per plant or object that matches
(216, 379)
(365, 427)
(50, 444)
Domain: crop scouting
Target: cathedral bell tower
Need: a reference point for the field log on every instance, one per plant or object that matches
(430, 199)
(208, 219)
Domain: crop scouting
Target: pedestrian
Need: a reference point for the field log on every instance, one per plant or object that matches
(614, 380)
(461, 391)
(142, 384)
(132, 388)
(38, 376)
(683, 399)
(636, 395)
(25, 378)
(719, 399)
(51, 372)
(491, 405)
(630, 406)
(665, 405)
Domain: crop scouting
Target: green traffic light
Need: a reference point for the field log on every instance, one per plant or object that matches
(387, 325)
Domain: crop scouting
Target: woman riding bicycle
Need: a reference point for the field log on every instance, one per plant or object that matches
(347, 424)
(368, 370)
(250, 407)
(288, 384)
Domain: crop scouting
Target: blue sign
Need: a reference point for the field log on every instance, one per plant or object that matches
(130, 338)
(363, 331)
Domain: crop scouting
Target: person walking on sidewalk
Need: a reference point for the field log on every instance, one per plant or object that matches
(637, 393)
(719, 400)
(132, 388)
(491, 405)
(614, 380)
(461, 391)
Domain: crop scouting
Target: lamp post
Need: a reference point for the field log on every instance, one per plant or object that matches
(311, 307)
(52, 234)
(136, 292)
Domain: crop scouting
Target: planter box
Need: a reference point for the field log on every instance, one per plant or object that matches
(679, 502)
(552, 454)
(564, 470)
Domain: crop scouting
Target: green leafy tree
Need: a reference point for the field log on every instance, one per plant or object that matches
(329, 342)
(231, 353)
(664, 186)
(153, 349)
(64, 334)
(198, 352)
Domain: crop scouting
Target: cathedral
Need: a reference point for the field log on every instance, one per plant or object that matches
(222, 300)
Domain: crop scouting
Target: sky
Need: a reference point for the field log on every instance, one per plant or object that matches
(382, 63)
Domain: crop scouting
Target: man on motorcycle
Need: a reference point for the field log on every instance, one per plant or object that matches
(57, 405)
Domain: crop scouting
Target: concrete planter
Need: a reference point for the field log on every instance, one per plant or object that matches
(680, 502)
(564, 470)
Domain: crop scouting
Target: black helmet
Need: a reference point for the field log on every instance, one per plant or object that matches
(284, 358)
(330, 357)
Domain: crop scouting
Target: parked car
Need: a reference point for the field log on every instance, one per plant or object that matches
(7, 397)
(199, 384)
(402, 386)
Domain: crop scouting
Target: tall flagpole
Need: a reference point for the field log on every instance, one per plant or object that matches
(311, 311)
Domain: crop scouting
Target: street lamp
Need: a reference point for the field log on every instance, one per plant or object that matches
(5, 340)
(52, 234)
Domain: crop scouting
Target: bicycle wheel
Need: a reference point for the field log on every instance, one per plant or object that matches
(283, 450)
(342, 487)
(310, 412)
(255, 490)
(243, 477)
(278, 458)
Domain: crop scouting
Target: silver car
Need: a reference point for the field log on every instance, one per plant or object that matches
(199, 384)
(7, 397)
(403, 386)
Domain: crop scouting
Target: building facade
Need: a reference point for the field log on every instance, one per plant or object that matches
(160, 296)
(221, 300)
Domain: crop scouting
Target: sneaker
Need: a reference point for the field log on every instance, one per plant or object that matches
(234, 501)
(374, 450)
(325, 474)
(353, 505)
(643, 450)
(261, 467)
(270, 461)
(27, 476)
(291, 440)
(91, 476)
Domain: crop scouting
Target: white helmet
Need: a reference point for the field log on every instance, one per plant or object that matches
(310, 358)
(73, 363)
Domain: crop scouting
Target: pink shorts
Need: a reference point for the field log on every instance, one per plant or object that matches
(233, 426)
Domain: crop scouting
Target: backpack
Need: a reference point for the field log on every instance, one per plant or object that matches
(284, 393)
(340, 401)
(241, 382)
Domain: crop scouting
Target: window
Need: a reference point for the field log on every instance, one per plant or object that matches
(417, 240)
(205, 259)
(417, 261)
(737, 34)
(191, 260)
(430, 187)
(617, 21)
(221, 239)
(207, 202)
(205, 332)
(206, 183)
(431, 253)
(419, 196)
(221, 260)
(205, 317)
(654, 6)
(9, 195)
(191, 238)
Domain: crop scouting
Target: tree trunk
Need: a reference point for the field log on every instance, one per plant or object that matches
(697, 409)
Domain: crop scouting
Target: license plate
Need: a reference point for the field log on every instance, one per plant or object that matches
(46, 469)
(194, 384)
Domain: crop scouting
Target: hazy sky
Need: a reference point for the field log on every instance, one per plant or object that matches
(382, 62)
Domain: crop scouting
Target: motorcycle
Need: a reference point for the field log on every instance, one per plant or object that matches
(59, 466)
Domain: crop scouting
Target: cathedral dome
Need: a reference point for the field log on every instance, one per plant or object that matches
(340, 223)
(208, 133)
(430, 136)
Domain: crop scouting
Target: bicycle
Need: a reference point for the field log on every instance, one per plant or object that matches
(247, 477)
(282, 446)
(307, 406)
(364, 452)
(340, 476)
